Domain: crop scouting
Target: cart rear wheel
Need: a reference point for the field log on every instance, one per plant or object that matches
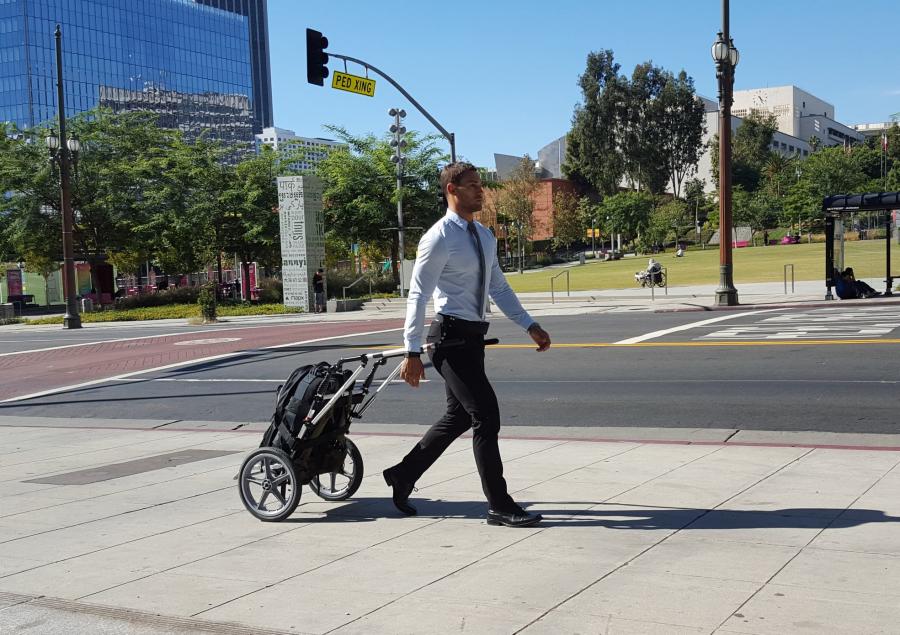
(661, 281)
(268, 484)
(338, 486)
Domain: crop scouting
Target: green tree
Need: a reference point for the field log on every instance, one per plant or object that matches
(360, 197)
(683, 119)
(759, 210)
(642, 129)
(568, 221)
(750, 150)
(627, 213)
(593, 154)
(515, 202)
(665, 222)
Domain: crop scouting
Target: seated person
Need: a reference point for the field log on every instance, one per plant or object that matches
(653, 270)
(862, 289)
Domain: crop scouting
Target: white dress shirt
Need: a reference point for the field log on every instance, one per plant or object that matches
(447, 269)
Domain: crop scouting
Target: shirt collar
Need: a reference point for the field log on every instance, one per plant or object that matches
(457, 219)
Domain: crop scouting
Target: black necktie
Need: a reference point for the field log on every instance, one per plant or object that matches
(474, 231)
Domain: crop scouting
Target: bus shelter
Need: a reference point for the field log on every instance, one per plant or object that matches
(836, 207)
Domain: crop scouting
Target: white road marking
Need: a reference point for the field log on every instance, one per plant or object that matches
(209, 340)
(827, 324)
(124, 339)
(200, 360)
(692, 325)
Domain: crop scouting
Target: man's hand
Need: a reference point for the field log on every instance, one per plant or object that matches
(540, 337)
(412, 370)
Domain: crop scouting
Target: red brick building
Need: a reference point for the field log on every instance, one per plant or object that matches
(542, 217)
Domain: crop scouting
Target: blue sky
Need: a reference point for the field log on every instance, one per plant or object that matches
(503, 75)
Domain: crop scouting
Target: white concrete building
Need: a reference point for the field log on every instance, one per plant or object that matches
(798, 114)
(284, 140)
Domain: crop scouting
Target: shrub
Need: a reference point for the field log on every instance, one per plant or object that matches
(177, 295)
(271, 291)
(207, 301)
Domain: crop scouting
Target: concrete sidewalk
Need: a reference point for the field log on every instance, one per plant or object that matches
(701, 536)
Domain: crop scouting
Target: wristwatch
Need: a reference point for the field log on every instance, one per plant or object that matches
(409, 354)
(534, 325)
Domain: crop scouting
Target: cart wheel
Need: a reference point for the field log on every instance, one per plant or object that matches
(268, 485)
(662, 280)
(338, 486)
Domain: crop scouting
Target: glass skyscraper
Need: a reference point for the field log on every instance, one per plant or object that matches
(199, 64)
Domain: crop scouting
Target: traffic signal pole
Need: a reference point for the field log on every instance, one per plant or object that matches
(317, 71)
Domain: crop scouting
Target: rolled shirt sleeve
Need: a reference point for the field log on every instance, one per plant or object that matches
(430, 261)
(505, 298)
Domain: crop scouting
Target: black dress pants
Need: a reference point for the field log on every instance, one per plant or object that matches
(471, 403)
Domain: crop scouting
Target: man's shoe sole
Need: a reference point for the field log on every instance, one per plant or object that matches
(530, 523)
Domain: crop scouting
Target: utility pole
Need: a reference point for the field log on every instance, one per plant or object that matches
(398, 143)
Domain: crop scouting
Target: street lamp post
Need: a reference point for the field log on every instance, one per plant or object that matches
(726, 58)
(399, 144)
(59, 150)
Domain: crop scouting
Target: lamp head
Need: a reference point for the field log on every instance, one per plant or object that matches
(719, 49)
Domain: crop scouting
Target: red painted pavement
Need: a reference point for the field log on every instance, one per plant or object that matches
(28, 373)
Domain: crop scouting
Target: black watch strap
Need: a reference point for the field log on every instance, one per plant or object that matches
(409, 354)
(534, 325)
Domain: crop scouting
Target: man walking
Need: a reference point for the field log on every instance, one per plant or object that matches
(457, 264)
(319, 290)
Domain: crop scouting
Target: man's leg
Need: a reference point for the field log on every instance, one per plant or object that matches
(438, 438)
(463, 370)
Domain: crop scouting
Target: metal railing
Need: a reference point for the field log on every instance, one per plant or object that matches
(665, 283)
(553, 291)
(785, 278)
(360, 279)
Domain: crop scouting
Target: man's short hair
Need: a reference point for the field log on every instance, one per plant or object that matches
(453, 173)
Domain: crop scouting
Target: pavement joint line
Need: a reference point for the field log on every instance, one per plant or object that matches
(615, 569)
(200, 360)
(664, 538)
(136, 616)
(130, 443)
(435, 581)
(95, 465)
(95, 520)
(829, 524)
(63, 503)
(302, 573)
(277, 534)
(87, 553)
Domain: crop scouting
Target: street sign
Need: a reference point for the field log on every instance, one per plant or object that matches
(353, 84)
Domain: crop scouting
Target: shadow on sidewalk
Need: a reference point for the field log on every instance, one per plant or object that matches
(617, 517)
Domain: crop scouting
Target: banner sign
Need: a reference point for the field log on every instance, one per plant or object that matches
(13, 282)
(302, 226)
(353, 83)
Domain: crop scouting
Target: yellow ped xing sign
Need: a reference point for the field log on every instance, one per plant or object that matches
(353, 84)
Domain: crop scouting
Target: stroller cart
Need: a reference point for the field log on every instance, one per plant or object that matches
(306, 442)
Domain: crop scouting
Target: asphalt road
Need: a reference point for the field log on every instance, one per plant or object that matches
(827, 369)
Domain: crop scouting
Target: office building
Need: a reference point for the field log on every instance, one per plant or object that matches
(308, 150)
(202, 65)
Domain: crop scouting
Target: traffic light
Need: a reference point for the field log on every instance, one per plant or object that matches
(316, 57)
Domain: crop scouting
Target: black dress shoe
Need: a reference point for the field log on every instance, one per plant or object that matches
(520, 518)
(402, 490)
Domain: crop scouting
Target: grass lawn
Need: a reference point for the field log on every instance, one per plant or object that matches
(751, 264)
